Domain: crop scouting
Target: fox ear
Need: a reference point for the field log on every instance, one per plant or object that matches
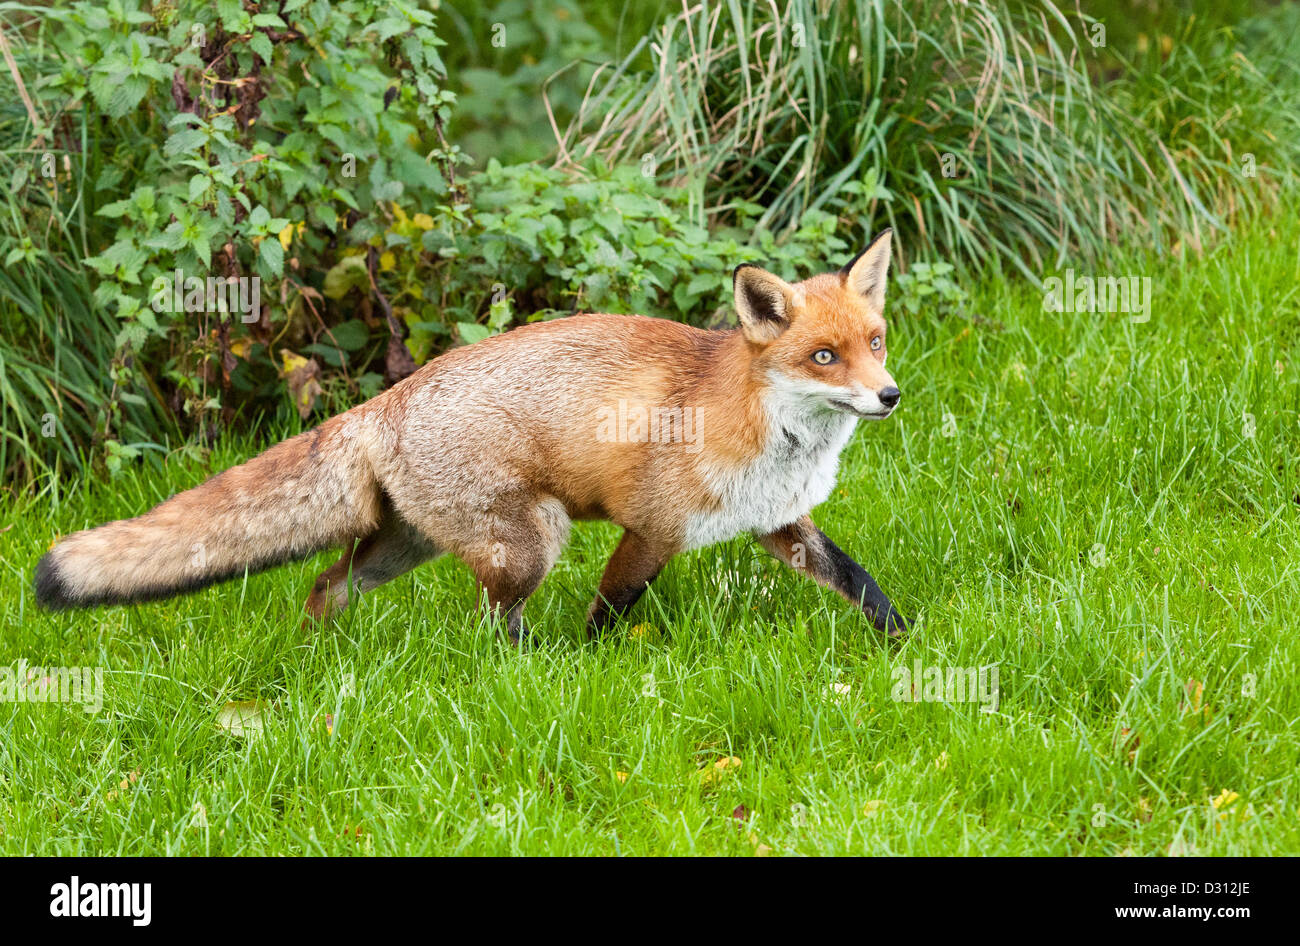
(866, 274)
(762, 302)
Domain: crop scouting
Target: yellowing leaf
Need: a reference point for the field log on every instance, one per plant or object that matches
(1224, 799)
(291, 361)
(710, 775)
(387, 261)
(286, 236)
(423, 221)
(240, 347)
(872, 808)
(301, 376)
(347, 274)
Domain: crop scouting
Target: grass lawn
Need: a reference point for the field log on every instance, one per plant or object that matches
(1108, 511)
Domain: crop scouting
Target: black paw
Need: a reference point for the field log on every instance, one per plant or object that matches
(520, 634)
(891, 622)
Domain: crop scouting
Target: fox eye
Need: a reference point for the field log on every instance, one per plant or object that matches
(875, 343)
(823, 356)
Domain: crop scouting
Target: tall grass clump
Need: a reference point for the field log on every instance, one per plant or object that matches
(62, 382)
(988, 132)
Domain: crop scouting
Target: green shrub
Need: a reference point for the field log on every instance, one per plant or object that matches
(217, 141)
(547, 242)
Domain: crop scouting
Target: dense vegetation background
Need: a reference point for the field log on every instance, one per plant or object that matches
(403, 177)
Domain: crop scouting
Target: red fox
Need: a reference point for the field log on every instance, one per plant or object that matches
(683, 437)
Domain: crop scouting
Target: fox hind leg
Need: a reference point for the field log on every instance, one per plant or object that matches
(390, 551)
(514, 556)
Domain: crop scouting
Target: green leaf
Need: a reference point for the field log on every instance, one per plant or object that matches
(126, 95)
(350, 336)
(471, 332)
(261, 44)
(272, 255)
(184, 141)
(198, 187)
(347, 274)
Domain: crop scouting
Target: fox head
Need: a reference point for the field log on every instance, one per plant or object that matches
(821, 342)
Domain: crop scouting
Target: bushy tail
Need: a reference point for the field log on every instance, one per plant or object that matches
(308, 493)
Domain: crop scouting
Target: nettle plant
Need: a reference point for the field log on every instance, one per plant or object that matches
(546, 242)
(261, 143)
(929, 289)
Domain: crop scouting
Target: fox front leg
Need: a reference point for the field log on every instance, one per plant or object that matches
(807, 550)
(631, 568)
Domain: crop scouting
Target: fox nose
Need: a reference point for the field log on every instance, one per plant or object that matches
(889, 397)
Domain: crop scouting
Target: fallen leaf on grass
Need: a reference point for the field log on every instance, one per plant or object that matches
(243, 719)
(1224, 800)
(1195, 691)
(1227, 809)
(839, 692)
(710, 775)
(123, 786)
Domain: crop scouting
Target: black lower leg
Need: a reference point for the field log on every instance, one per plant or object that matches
(607, 610)
(631, 568)
(853, 581)
(807, 549)
(516, 629)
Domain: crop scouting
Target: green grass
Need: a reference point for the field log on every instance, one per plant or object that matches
(1103, 523)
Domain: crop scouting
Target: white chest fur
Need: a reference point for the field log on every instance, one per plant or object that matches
(794, 473)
